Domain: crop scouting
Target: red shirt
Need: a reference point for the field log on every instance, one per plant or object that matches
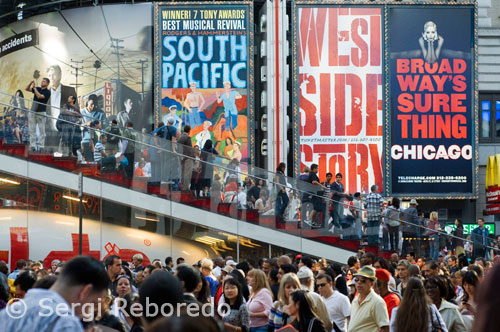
(391, 301)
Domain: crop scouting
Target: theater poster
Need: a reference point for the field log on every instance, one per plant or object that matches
(76, 49)
(339, 83)
(203, 53)
(432, 152)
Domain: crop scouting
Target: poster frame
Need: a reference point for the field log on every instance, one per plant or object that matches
(386, 104)
(474, 98)
(250, 70)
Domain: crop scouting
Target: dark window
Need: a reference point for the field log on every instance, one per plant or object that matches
(489, 117)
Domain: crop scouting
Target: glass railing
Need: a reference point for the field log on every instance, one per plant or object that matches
(159, 164)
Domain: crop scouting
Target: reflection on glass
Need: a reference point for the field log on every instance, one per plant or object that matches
(485, 105)
(497, 105)
(485, 123)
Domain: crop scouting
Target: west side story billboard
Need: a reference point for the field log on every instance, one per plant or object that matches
(385, 95)
(203, 58)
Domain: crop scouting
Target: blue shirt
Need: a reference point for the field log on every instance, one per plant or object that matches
(213, 285)
(230, 103)
(42, 308)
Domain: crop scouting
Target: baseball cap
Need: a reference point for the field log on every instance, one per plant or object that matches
(231, 263)
(383, 274)
(367, 272)
(305, 273)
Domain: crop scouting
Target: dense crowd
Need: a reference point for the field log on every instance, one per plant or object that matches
(369, 293)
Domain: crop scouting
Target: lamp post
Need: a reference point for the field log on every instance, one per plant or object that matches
(80, 211)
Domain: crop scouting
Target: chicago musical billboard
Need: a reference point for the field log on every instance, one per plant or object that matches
(432, 101)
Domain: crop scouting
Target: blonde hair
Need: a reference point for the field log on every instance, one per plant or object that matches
(206, 263)
(260, 280)
(434, 215)
(289, 278)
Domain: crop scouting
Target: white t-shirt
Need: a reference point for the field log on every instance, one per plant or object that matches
(339, 308)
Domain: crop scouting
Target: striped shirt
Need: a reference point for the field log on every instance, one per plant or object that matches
(277, 319)
(98, 148)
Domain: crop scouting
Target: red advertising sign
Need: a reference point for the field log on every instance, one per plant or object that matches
(340, 77)
(492, 209)
(493, 194)
(108, 98)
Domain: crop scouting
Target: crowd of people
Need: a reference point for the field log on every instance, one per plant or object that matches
(369, 293)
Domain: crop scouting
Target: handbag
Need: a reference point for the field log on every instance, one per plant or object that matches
(435, 328)
(311, 323)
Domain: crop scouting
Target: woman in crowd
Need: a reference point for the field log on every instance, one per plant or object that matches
(260, 301)
(437, 291)
(131, 319)
(104, 317)
(458, 239)
(434, 235)
(195, 176)
(123, 285)
(207, 156)
(277, 316)
(470, 284)
(416, 312)
(488, 303)
(238, 318)
(392, 221)
(263, 204)
(306, 319)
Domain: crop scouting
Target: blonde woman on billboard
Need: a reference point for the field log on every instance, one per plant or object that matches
(429, 36)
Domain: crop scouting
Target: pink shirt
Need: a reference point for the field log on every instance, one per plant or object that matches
(260, 302)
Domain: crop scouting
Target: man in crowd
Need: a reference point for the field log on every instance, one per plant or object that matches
(113, 268)
(137, 263)
(402, 269)
(190, 279)
(219, 264)
(123, 117)
(479, 239)
(207, 267)
(410, 226)
(338, 196)
(113, 134)
(368, 310)
(337, 304)
(82, 282)
(38, 114)
(306, 278)
(430, 269)
(128, 148)
(374, 203)
(186, 149)
(391, 299)
(317, 200)
(169, 263)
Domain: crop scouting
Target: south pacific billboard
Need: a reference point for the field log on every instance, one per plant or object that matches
(432, 113)
(339, 53)
(203, 73)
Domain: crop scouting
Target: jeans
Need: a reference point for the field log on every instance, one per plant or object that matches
(187, 173)
(434, 246)
(372, 230)
(194, 117)
(394, 237)
(231, 121)
(259, 329)
(35, 119)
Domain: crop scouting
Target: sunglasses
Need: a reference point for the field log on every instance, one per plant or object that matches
(322, 285)
(362, 280)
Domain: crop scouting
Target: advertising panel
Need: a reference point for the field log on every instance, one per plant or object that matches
(204, 72)
(339, 92)
(432, 114)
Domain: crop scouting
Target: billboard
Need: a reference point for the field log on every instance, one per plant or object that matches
(432, 108)
(203, 72)
(339, 92)
(64, 46)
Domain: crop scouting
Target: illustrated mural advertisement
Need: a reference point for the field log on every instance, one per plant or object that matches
(340, 92)
(203, 69)
(432, 109)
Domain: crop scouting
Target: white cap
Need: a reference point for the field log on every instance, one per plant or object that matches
(305, 273)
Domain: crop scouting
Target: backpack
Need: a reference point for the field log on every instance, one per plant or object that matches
(111, 136)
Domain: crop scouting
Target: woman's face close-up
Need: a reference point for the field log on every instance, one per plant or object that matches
(289, 289)
(430, 33)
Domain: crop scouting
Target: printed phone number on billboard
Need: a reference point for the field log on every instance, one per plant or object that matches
(432, 179)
